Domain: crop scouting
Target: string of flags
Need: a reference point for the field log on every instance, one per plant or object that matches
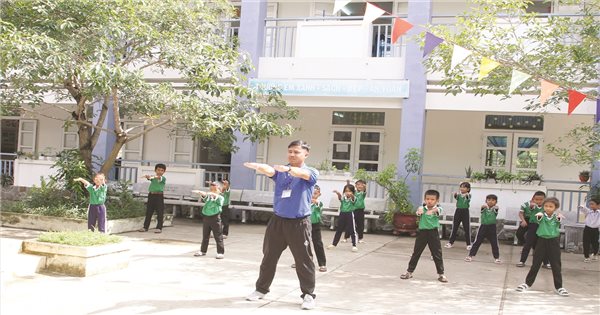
(459, 54)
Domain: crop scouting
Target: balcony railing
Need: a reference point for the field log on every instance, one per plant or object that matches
(7, 164)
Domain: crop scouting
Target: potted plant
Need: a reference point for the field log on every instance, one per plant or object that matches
(468, 172)
(584, 176)
(326, 167)
(491, 175)
(504, 176)
(401, 211)
(478, 176)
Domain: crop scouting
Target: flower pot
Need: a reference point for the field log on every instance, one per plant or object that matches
(405, 223)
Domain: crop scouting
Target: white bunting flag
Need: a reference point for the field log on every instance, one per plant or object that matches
(517, 79)
(338, 5)
(371, 14)
(459, 54)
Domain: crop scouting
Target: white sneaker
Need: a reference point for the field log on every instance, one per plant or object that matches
(255, 296)
(220, 256)
(344, 240)
(224, 237)
(308, 303)
(594, 257)
(469, 247)
(330, 246)
(354, 249)
(448, 245)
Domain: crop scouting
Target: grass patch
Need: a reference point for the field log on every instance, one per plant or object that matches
(79, 238)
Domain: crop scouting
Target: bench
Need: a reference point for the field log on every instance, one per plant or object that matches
(374, 208)
(511, 222)
(447, 218)
(174, 194)
(253, 200)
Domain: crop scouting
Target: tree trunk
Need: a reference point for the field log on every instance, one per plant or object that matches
(85, 147)
(110, 160)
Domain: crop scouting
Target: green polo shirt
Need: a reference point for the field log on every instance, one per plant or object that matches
(226, 197)
(430, 221)
(549, 226)
(315, 212)
(360, 199)
(462, 201)
(488, 215)
(157, 185)
(212, 205)
(347, 205)
(530, 212)
(97, 194)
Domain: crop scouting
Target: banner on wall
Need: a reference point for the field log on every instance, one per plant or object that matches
(351, 88)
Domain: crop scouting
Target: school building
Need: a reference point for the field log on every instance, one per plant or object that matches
(363, 103)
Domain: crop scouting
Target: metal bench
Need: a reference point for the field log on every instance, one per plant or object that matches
(447, 217)
(374, 208)
(254, 200)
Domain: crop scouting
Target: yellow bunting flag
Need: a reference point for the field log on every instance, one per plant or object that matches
(546, 90)
(487, 65)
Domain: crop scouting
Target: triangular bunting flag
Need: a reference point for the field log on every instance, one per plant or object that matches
(458, 55)
(372, 13)
(517, 79)
(547, 88)
(431, 41)
(338, 5)
(487, 65)
(575, 98)
(400, 27)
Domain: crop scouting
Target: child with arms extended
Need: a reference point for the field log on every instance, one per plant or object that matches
(461, 215)
(428, 236)
(96, 209)
(359, 212)
(211, 221)
(487, 229)
(346, 218)
(529, 210)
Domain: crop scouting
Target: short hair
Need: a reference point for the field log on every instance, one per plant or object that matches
(433, 192)
(99, 174)
(349, 186)
(299, 143)
(360, 181)
(491, 196)
(595, 199)
(539, 193)
(553, 200)
(317, 187)
(215, 183)
(160, 165)
(467, 185)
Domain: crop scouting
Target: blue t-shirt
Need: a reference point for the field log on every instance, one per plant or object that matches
(297, 205)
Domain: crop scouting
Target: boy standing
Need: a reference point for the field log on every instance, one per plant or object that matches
(226, 192)
(487, 229)
(428, 236)
(590, 231)
(548, 246)
(211, 221)
(156, 199)
(96, 209)
(359, 210)
(315, 219)
(530, 209)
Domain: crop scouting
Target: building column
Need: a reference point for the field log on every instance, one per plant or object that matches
(106, 140)
(595, 174)
(251, 39)
(412, 124)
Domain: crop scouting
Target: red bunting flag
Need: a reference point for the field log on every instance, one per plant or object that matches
(400, 27)
(575, 98)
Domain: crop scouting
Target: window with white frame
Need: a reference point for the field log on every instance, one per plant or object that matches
(70, 138)
(132, 150)
(514, 152)
(27, 135)
(181, 146)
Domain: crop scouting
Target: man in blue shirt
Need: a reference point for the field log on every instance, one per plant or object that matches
(290, 226)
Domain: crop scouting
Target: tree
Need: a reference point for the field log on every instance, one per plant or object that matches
(93, 54)
(561, 49)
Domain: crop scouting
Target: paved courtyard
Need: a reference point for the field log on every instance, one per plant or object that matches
(164, 278)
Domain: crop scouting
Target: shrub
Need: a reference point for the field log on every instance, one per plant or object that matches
(121, 202)
(78, 238)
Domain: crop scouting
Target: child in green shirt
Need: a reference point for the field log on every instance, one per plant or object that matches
(428, 236)
(461, 215)
(225, 215)
(315, 218)
(547, 247)
(211, 221)
(346, 218)
(359, 211)
(156, 200)
(487, 229)
(96, 209)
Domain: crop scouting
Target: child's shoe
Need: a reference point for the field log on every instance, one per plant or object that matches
(595, 257)
(406, 275)
(469, 247)
(293, 266)
(521, 264)
(322, 268)
(198, 254)
(497, 261)
(468, 259)
(586, 260)
(547, 266)
(562, 292)
(224, 236)
(354, 249)
(255, 296)
(442, 278)
(220, 256)
(330, 246)
(522, 287)
(344, 240)
(448, 245)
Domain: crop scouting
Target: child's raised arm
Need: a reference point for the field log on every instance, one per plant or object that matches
(81, 180)
(338, 194)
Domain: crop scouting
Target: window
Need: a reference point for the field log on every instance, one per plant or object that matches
(70, 139)
(540, 6)
(181, 146)
(133, 149)
(514, 152)
(358, 118)
(27, 135)
(354, 148)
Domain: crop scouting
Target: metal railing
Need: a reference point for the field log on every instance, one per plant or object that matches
(7, 164)
(212, 172)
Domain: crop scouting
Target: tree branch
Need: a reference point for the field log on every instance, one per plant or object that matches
(148, 130)
(116, 114)
(100, 123)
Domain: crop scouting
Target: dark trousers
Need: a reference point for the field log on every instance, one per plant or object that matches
(225, 215)
(461, 215)
(429, 238)
(212, 223)
(359, 223)
(531, 239)
(590, 239)
(486, 231)
(318, 244)
(521, 232)
(97, 213)
(546, 249)
(345, 224)
(155, 202)
(281, 233)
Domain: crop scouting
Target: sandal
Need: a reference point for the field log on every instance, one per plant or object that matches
(562, 292)
(468, 259)
(405, 276)
(522, 287)
(442, 278)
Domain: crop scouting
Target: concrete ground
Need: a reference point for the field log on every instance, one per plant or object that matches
(164, 278)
